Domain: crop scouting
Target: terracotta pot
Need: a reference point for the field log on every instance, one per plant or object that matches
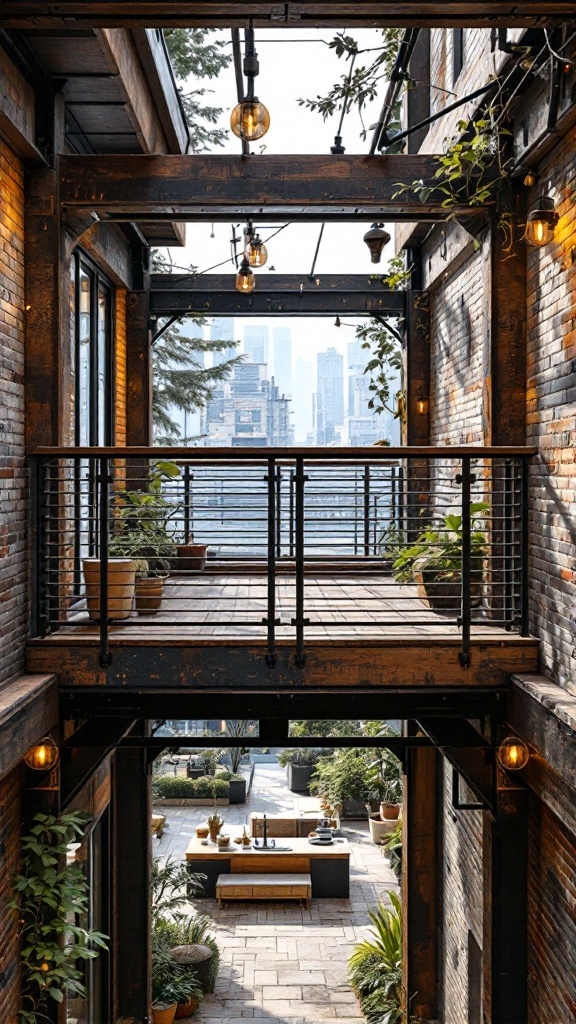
(121, 577)
(184, 1010)
(166, 1015)
(149, 590)
(202, 831)
(190, 557)
(389, 812)
(444, 596)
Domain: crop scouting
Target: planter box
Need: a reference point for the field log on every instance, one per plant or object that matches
(191, 802)
(299, 776)
(237, 791)
(380, 830)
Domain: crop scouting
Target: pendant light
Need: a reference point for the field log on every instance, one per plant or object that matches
(250, 119)
(245, 280)
(541, 222)
(376, 238)
(255, 252)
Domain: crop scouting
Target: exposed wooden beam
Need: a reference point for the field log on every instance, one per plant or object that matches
(28, 711)
(274, 295)
(141, 663)
(137, 187)
(270, 13)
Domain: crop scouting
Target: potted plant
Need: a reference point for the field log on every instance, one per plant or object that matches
(142, 520)
(173, 983)
(214, 822)
(434, 560)
(121, 585)
(237, 784)
(190, 557)
(300, 764)
(344, 778)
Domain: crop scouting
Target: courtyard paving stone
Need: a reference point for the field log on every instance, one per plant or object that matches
(280, 962)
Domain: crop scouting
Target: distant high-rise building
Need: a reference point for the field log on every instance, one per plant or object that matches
(302, 401)
(330, 392)
(222, 329)
(283, 359)
(256, 344)
(356, 358)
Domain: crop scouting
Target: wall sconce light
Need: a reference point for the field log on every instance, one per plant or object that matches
(376, 238)
(245, 280)
(43, 756)
(541, 222)
(421, 404)
(512, 754)
(256, 252)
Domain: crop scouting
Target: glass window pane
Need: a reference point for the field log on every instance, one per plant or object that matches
(103, 398)
(83, 384)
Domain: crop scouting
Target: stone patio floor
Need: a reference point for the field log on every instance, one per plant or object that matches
(281, 963)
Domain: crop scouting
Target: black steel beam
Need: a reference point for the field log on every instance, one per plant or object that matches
(194, 704)
(274, 295)
(84, 751)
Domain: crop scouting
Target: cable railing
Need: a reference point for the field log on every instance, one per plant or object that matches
(280, 544)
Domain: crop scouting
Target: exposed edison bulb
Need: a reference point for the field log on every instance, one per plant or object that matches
(541, 222)
(250, 120)
(245, 280)
(512, 754)
(43, 756)
(256, 252)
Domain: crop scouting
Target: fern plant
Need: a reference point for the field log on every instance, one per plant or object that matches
(375, 966)
(51, 897)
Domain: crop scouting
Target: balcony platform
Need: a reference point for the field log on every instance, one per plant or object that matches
(363, 631)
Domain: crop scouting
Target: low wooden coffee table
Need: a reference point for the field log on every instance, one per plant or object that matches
(328, 866)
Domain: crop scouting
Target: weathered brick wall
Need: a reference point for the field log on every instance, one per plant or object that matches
(551, 919)
(9, 943)
(457, 323)
(551, 351)
(13, 484)
(461, 887)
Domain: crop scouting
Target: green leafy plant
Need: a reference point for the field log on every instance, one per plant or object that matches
(178, 787)
(438, 549)
(305, 756)
(172, 982)
(344, 775)
(375, 966)
(51, 898)
(142, 520)
(392, 846)
(172, 887)
(190, 930)
(472, 167)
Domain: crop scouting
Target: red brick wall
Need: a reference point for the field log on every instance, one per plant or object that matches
(551, 919)
(9, 944)
(551, 353)
(13, 493)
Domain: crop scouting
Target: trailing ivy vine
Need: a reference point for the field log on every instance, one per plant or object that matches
(50, 897)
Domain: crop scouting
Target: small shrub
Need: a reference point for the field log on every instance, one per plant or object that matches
(170, 787)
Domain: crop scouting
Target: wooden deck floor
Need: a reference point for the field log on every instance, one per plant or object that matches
(233, 607)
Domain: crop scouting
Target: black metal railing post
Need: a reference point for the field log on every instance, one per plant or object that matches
(104, 508)
(291, 511)
(38, 612)
(366, 480)
(465, 571)
(270, 621)
(188, 533)
(278, 476)
(508, 559)
(299, 620)
(524, 546)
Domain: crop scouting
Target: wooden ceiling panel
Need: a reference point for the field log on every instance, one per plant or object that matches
(306, 13)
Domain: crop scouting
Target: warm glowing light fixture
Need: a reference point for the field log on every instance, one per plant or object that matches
(43, 756)
(256, 252)
(376, 238)
(512, 754)
(421, 404)
(250, 119)
(541, 222)
(245, 280)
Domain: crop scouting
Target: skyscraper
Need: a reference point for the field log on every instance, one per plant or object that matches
(283, 359)
(222, 329)
(330, 391)
(302, 399)
(256, 343)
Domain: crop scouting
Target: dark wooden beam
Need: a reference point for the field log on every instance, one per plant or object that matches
(508, 323)
(138, 369)
(420, 875)
(140, 663)
(274, 295)
(196, 187)
(85, 750)
(132, 856)
(505, 893)
(332, 14)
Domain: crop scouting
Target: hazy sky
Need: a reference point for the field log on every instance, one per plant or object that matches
(304, 67)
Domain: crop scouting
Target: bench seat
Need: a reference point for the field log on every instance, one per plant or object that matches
(264, 887)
